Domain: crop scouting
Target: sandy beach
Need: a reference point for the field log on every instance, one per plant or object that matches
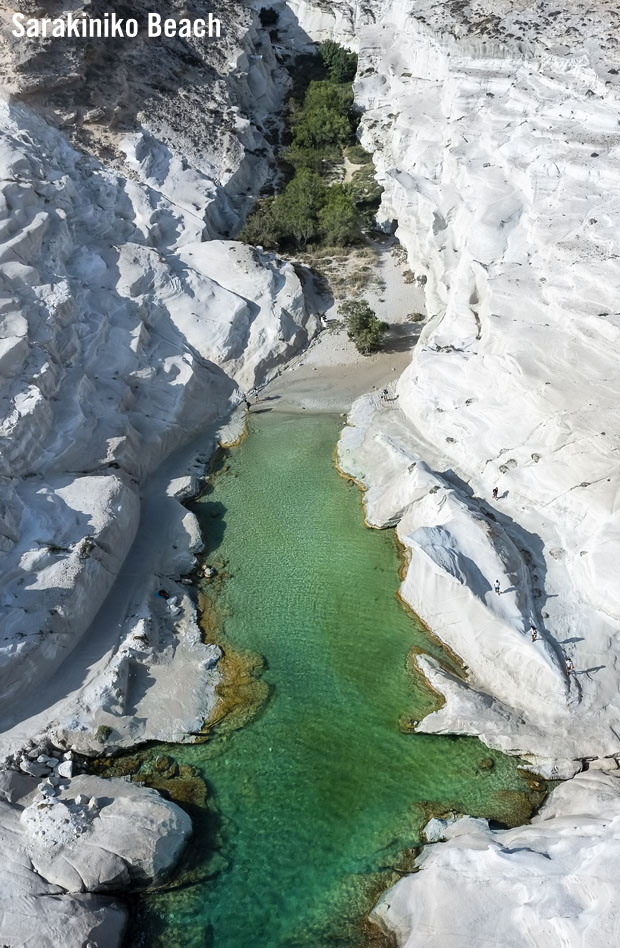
(331, 373)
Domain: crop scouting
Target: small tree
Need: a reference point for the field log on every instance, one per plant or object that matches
(339, 62)
(339, 218)
(296, 210)
(329, 95)
(261, 227)
(325, 124)
(363, 327)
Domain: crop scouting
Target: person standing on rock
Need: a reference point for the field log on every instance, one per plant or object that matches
(495, 493)
(246, 403)
(533, 632)
(569, 666)
(496, 586)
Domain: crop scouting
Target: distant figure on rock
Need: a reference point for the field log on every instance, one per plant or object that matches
(495, 493)
(163, 594)
(496, 586)
(569, 666)
(384, 394)
(533, 632)
(246, 403)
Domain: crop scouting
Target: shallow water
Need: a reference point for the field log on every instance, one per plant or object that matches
(317, 799)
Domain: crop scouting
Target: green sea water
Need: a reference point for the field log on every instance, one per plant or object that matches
(315, 801)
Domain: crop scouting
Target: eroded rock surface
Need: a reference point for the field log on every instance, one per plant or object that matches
(497, 149)
(130, 326)
(86, 835)
(494, 129)
(123, 333)
(554, 879)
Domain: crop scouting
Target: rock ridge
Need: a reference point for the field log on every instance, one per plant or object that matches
(494, 132)
(128, 334)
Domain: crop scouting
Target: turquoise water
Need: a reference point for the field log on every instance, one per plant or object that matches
(316, 800)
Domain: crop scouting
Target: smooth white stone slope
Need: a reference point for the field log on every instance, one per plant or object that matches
(67, 848)
(499, 155)
(551, 882)
(494, 129)
(120, 339)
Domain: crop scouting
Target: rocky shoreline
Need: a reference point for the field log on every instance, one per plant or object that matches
(71, 842)
(494, 134)
(493, 130)
(127, 339)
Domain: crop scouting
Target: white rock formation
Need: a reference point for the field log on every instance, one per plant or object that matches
(551, 882)
(495, 133)
(129, 327)
(56, 852)
(494, 128)
(122, 335)
(498, 160)
(132, 835)
(193, 119)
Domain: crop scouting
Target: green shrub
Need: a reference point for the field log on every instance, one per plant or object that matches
(363, 327)
(325, 122)
(102, 733)
(358, 155)
(322, 129)
(261, 228)
(366, 190)
(309, 211)
(339, 218)
(310, 159)
(339, 62)
(296, 210)
(329, 95)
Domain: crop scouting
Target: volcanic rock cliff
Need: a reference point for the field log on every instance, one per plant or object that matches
(195, 117)
(494, 129)
(128, 325)
(495, 134)
(123, 331)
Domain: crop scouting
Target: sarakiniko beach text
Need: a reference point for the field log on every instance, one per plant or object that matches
(111, 26)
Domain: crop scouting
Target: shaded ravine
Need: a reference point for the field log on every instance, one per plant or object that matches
(316, 803)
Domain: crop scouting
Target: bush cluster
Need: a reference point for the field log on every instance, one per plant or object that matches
(307, 212)
(341, 65)
(322, 130)
(323, 127)
(363, 327)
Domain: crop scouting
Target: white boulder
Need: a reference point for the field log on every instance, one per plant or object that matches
(104, 834)
(65, 769)
(550, 882)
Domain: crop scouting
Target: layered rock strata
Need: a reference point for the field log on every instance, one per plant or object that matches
(497, 145)
(129, 329)
(494, 129)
